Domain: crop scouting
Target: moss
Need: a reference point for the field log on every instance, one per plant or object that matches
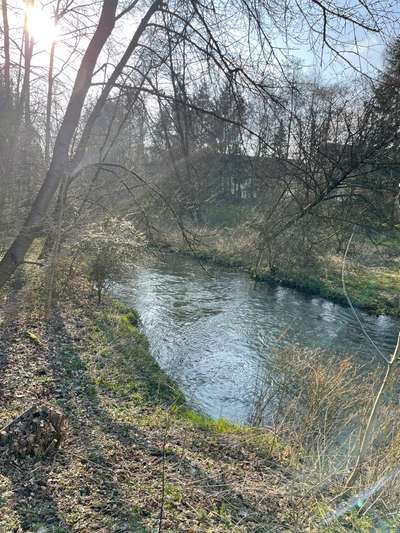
(132, 317)
(221, 425)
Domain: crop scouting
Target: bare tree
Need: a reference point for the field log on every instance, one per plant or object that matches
(206, 33)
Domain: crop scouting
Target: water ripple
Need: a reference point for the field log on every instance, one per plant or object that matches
(211, 333)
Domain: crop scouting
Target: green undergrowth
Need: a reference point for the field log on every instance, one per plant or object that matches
(206, 423)
(135, 378)
(131, 371)
(375, 290)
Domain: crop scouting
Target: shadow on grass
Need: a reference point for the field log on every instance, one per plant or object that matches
(82, 489)
(34, 504)
(8, 328)
(76, 489)
(32, 500)
(80, 402)
(104, 504)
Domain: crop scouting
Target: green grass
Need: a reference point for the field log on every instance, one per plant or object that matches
(134, 372)
(375, 290)
(221, 425)
(264, 443)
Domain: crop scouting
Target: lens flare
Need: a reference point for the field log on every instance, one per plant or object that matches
(41, 26)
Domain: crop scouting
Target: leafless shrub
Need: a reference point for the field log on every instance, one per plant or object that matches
(313, 398)
(110, 250)
(319, 403)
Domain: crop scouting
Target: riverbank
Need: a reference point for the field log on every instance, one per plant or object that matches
(374, 289)
(134, 451)
(133, 447)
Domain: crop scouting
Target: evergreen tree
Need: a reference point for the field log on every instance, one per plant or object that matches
(385, 125)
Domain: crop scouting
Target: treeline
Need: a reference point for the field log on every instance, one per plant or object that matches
(170, 124)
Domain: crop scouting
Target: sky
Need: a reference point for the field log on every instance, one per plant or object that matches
(357, 49)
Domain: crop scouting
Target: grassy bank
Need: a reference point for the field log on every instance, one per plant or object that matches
(373, 289)
(133, 447)
(134, 451)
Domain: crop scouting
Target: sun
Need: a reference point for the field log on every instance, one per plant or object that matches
(41, 26)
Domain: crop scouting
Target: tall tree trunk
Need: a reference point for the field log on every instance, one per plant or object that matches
(49, 103)
(6, 108)
(25, 102)
(6, 45)
(80, 151)
(59, 164)
(50, 83)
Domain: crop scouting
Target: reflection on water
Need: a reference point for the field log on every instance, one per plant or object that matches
(210, 332)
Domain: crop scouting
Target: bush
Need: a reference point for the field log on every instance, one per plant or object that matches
(110, 250)
(318, 404)
(317, 398)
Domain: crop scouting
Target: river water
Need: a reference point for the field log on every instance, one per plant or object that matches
(212, 330)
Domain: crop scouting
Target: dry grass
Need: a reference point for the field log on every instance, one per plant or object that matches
(129, 425)
(125, 431)
(234, 247)
(320, 405)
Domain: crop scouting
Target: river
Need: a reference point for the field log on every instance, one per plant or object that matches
(212, 329)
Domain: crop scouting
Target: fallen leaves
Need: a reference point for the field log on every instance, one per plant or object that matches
(107, 475)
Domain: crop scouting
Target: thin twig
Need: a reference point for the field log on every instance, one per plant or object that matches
(351, 303)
